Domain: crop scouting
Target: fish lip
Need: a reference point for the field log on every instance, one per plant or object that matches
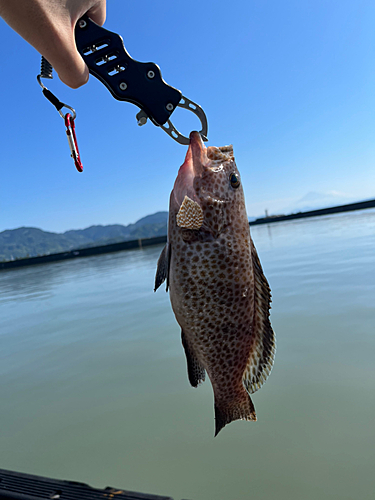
(198, 152)
(192, 167)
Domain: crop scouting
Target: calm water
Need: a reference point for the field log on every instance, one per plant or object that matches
(94, 386)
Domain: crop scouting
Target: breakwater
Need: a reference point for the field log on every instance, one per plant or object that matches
(314, 213)
(84, 252)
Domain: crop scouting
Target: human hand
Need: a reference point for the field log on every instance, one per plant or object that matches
(48, 25)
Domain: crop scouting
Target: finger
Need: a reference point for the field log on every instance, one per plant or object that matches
(74, 73)
(98, 13)
(67, 62)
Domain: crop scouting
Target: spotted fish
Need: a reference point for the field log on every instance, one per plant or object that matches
(219, 294)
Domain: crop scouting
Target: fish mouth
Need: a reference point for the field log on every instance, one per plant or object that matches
(196, 158)
(187, 197)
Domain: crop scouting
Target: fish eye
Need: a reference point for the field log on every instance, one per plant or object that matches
(234, 180)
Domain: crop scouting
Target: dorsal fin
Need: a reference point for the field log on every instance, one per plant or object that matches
(262, 355)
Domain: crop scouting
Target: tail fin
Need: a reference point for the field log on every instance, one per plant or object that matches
(241, 408)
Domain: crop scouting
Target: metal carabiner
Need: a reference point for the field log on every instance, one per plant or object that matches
(72, 140)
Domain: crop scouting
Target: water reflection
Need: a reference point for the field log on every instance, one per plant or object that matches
(94, 384)
(322, 231)
(38, 282)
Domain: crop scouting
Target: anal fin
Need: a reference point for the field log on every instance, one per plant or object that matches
(196, 372)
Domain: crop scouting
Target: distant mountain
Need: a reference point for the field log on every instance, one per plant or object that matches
(31, 242)
(315, 200)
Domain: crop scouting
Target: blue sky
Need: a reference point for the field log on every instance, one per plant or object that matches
(290, 84)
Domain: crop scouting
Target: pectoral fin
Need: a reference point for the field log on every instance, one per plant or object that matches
(162, 271)
(190, 215)
(263, 350)
(196, 372)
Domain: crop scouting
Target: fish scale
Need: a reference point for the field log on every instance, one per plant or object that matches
(219, 294)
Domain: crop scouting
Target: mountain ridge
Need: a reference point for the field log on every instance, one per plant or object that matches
(32, 242)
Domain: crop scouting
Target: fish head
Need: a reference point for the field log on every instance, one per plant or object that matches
(207, 193)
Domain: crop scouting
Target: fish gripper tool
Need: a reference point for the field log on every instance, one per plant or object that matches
(129, 80)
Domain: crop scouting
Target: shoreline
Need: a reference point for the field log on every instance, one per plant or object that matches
(129, 245)
(84, 252)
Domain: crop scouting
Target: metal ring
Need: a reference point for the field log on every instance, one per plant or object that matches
(74, 114)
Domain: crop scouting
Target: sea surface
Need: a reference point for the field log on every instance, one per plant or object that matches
(93, 383)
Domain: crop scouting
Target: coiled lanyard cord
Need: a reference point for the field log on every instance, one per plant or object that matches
(69, 117)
